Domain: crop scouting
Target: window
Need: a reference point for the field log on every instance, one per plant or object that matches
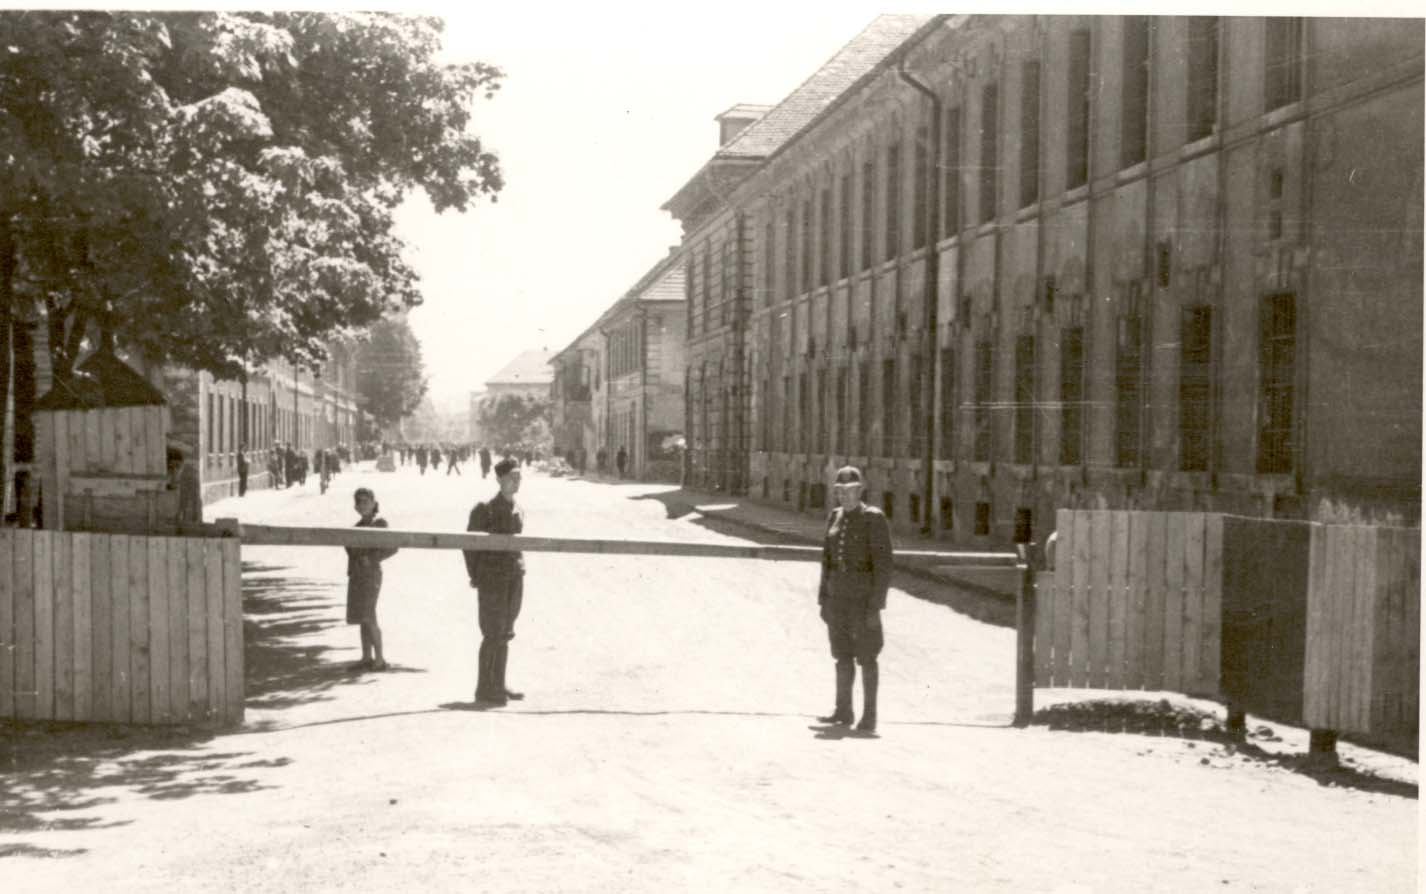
(1134, 105)
(1202, 76)
(989, 149)
(212, 426)
(1024, 399)
(769, 253)
(888, 504)
(916, 444)
(764, 417)
(689, 297)
(819, 437)
(1276, 182)
(893, 200)
(1029, 133)
(984, 383)
(785, 437)
(868, 212)
(824, 246)
(888, 408)
(952, 172)
(839, 413)
(804, 414)
(707, 283)
(806, 245)
(789, 267)
(1127, 383)
(982, 519)
(1023, 525)
(1072, 396)
(725, 284)
(845, 234)
(864, 407)
(1077, 131)
(948, 404)
(1195, 380)
(1283, 74)
(1277, 358)
(920, 176)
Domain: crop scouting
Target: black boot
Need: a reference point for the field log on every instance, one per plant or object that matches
(842, 713)
(502, 659)
(487, 684)
(871, 676)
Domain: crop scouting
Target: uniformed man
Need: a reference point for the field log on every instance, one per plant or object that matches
(856, 573)
(499, 579)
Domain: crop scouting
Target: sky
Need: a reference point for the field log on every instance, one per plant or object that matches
(601, 117)
(603, 114)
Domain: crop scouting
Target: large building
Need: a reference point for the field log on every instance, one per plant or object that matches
(1015, 263)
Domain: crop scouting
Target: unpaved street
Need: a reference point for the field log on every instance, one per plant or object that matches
(667, 743)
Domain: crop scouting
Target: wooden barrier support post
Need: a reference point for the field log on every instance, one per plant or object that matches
(1322, 748)
(1025, 638)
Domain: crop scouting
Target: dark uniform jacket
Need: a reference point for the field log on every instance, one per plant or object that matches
(488, 568)
(856, 559)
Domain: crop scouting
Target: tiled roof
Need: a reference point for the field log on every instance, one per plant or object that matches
(859, 56)
(529, 368)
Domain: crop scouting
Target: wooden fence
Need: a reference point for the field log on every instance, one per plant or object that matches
(1134, 602)
(1362, 662)
(113, 627)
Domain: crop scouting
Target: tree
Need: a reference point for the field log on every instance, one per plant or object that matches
(390, 376)
(515, 421)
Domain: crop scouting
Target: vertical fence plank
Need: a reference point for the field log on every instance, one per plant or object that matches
(83, 623)
(1384, 612)
(26, 691)
(217, 672)
(78, 456)
(1410, 680)
(121, 678)
(160, 709)
(1118, 593)
(1193, 524)
(1044, 628)
(1155, 570)
(176, 568)
(1099, 598)
(123, 439)
(154, 437)
(101, 601)
(44, 624)
(1312, 707)
(7, 622)
(1174, 542)
(1064, 594)
(1368, 588)
(233, 629)
(138, 440)
(62, 578)
(1342, 585)
(1136, 595)
(93, 450)
(139, 656)
(1210, 660)
(109, 438)
(197, 592)
(1079, 633)
(54, 508)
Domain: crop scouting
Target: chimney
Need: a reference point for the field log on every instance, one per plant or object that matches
(735, 120)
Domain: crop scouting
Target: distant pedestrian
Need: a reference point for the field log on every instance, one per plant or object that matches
(499, 580)
(484, 462)
(421, 458)
(452, 463)
(621, 459)
(364, 583)
(242, 473)
(856, 574)
(601, 460)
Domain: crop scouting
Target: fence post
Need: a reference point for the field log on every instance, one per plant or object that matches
(1025, 637)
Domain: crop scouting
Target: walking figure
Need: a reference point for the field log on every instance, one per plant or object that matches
(364, 583)
(499, 581)
(621, 459)
(856, 573)
(484, 462)
(452, 462)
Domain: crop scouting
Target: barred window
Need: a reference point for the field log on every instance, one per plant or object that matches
(948, 404)
(984, 388)
(1077, 131)
(845, 234)
(1202, 76)
(989, 150)
(1129, 368)
(1072, 396)
(1029, 133)
(893, 200)
(1195, 392)
(889, 407)
(868, 213)
(1024, 399)
(951, 171)
(1277, 360)
(1134, 104)
(1283, 52)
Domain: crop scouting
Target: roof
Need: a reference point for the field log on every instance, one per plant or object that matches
(102, 380)
(662, 282)
(763, 137)
(743, 110)
(528, 368)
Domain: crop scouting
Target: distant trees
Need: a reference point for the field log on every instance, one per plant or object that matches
(515, 421)
(390, 375)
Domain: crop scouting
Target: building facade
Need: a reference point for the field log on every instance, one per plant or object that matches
(1033, 262)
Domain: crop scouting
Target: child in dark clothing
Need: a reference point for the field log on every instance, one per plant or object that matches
(364, 583)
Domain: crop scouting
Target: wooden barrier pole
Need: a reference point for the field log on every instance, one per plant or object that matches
(1025, 638)
(377, 538)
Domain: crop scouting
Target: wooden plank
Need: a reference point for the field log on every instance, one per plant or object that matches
(1079, 633)
(161, 710)
(101, 599)
(74, 428)
(1384, 640)
(1210, 661)
(1411, 629)
(177, 567)
(122, 674)
(1136, 600)
(7, 622)
(1064, 594)
(81, 580)
(1313, 707)
(1175, 537)
(217, 671)
(1099, 598)
(44, 623)
(123, 439)
(138, 439)
(197, 592)
(1118, 596)
(1044, 628)
(1340, 584)
(109, 439)
(141, 707)
(155, 439)
(1192, 600)
(62, 578)
(1155, 573)
(233, 695)
(93, 450)
(54, 509)
(26, 693)
(1363, 628)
